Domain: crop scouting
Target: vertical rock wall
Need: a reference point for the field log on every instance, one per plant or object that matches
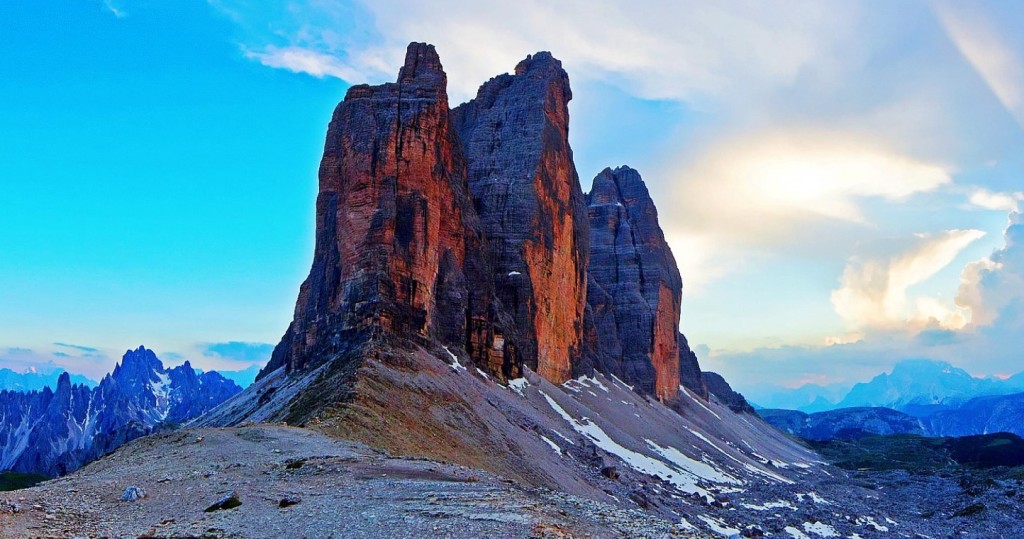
(526, 191)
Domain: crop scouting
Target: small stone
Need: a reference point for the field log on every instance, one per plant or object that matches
(288, 501)
(133, 493)
(229, 501)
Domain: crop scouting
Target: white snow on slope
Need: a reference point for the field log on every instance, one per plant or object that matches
(718, 526)
(455, 365)
(781, 504)
(696, 467)
(161, 390)
(681, 479)
(697, 400)
(518, 385)
(814, 498)
(746, 465)
(820, 529)
(553, 445)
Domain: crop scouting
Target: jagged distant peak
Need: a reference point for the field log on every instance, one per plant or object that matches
(54, 431)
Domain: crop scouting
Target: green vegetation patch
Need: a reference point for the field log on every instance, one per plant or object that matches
(16, 481)
(926, 455)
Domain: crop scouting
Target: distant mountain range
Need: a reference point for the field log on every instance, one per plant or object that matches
(35, 381)
(243, 378)
(806, 398)
(844, 424)
(919, 387)
(980, 415)
(56, 431)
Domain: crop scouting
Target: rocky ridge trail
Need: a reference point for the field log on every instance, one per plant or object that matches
(331, 488)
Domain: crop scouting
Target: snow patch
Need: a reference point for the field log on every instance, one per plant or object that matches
(781, 504)
(562, 436)
(869, 521)
(814, 498)
(697, 400)
(681, 479)
(553, 445)
(796, 533)
(718, 526)
(518, 385)
(695, 467)
(820, 529)
(160, 388)
(619, 380)
(455, 365)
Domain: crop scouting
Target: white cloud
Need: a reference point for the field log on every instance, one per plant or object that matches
(980, 40)
(771, 191)
(992, 286)
(675, 50)
(301, 60)
(873, 293)
(790, 176)
(988, 200)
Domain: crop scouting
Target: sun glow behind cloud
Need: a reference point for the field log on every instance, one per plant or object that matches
(874, 295)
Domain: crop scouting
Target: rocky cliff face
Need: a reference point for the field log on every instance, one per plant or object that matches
(635, 288)
(690, 375)
(494, 266)
(390, 236)
(56, 432)
(718, 387)
(526, 191)
(468, 228)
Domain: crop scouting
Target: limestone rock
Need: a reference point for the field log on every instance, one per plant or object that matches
(689, 370)
(390, 238)
(515, 134)
(718, 387)
(635, 288)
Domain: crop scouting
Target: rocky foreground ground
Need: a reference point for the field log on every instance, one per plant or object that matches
(330, 487)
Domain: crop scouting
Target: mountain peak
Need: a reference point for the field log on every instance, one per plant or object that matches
(543, 65)
(421, 63)
(64, 382)
(928, 367)
(140, 365)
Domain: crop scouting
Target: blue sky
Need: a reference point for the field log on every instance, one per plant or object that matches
(835, 177)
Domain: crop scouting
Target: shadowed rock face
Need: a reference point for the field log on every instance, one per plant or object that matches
(689, 370)
(390, 237)
(532, 211)
(718, 387)
(635, 288)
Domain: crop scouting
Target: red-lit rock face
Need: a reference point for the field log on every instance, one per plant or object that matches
(531, 208)
(468, 227)
(390, 231)
(635, 287)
